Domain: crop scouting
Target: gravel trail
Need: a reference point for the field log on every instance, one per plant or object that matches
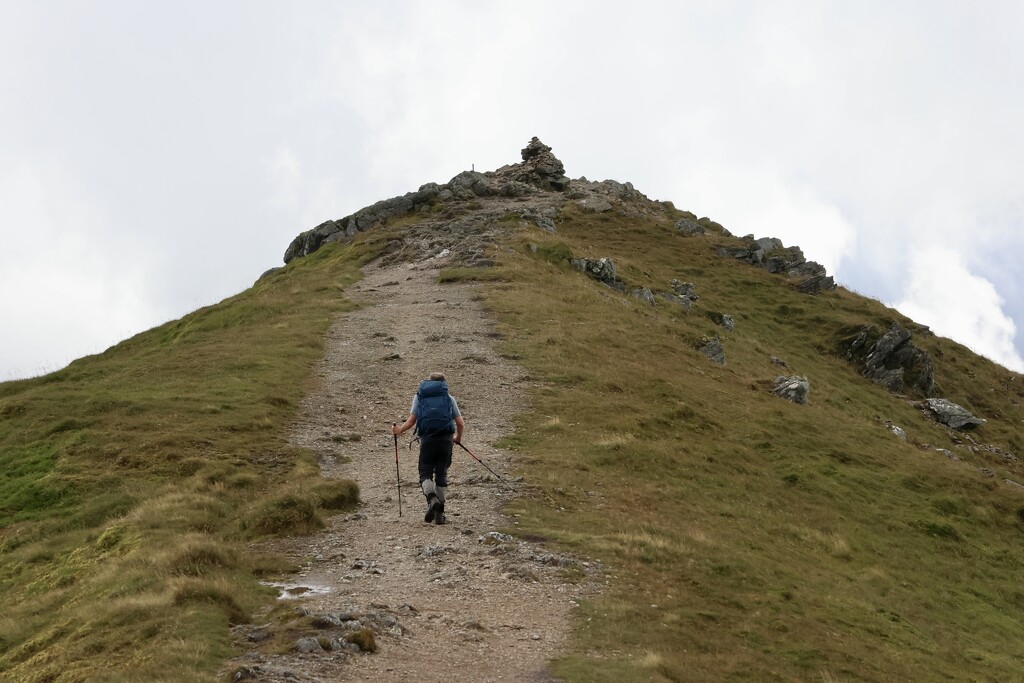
(453, 601)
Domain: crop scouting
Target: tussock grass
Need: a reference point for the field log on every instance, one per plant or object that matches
(335, 494)
(747, 538)
(133, 479)
(287, 514)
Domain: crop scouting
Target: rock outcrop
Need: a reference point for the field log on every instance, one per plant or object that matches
(683, 294)
(951, 414)
(602, 270)
(890, 359)
(540, 171)
(770, 254)
(714, 350)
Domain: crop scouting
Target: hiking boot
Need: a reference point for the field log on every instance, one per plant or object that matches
(434, 509)
(439, 517)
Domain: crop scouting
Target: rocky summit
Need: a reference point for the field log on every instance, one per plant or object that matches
(539, 188)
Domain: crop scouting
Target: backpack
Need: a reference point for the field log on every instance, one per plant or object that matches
(434, 409)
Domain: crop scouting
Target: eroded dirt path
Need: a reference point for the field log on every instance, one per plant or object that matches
(447, 602)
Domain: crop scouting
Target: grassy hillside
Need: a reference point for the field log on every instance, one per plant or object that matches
(131, 480)
(749, 538)
(746, 538)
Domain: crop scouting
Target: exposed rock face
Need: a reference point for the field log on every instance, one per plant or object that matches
(714, 350)
(770, 254)
(540, 170)
(795, 388)
(891, 360)
(951, 414)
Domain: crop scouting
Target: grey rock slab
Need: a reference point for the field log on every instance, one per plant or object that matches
(714, 350)
(688, 228)
(952, 414)
(596, 203)
(795, 388)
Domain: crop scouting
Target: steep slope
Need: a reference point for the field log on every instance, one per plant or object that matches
(744, 537)
(853, 537)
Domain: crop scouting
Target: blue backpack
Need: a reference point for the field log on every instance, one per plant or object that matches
(434, 409)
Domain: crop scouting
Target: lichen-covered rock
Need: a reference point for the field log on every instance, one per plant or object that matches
(952, 414)
(795, 388)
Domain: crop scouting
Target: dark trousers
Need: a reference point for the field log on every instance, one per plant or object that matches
(435, 459)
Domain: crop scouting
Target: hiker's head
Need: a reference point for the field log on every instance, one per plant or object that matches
(438, 377)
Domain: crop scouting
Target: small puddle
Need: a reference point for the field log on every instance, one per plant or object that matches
(293, 591)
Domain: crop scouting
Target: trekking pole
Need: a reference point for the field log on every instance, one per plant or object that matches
(398, 477)
(488, 468)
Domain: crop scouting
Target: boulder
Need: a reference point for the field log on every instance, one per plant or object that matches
(714, 350)
(728, 323)
(470, 184)
(308, 645)
(268, 273)
(951, 414)
(795, 388)
(595, 203)
(688, 228)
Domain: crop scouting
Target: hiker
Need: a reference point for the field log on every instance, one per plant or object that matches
(438, 421)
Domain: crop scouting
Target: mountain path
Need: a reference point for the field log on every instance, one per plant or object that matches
(452, 600)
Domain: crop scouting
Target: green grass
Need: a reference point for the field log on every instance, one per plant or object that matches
(747, 538)
(132, 480)
(743, 537)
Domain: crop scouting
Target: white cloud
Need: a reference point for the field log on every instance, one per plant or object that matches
(943, 294)
(67, 291)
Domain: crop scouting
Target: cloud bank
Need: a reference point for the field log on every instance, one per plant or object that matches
(156, 157)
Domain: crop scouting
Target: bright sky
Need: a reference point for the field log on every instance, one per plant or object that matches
(156, 157)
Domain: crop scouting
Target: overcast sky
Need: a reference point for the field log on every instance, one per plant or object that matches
(156, 157)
